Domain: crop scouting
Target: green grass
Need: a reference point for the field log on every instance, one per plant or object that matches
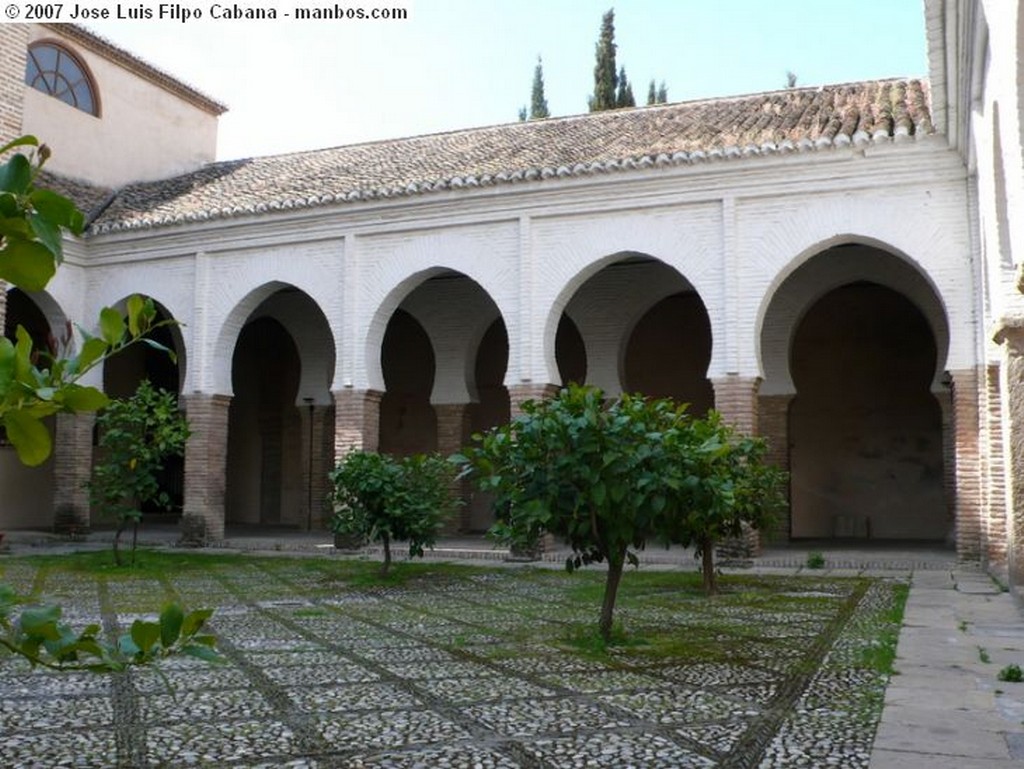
(881, 655)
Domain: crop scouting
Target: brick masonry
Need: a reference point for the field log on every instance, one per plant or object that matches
(72, 464)
(994, 469)
(520, 394)
(356, 421)
(967, 463)
(773, 426)
(13, 50)
(453, 430)
(1011, 336)
(206, 459)
(736, 400)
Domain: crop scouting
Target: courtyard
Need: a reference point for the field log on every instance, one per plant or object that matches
(451, 665)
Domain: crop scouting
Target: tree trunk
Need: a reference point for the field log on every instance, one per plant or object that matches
(386, 540)
(611, 590)
(135, 539)
(117, 541)
(708, 561)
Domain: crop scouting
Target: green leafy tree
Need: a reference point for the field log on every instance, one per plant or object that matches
(601, 476)
(137, 435)
(383, 498)
(624, 97)
(605, 78)
(726, 486)
(33, 222)
(538, 104)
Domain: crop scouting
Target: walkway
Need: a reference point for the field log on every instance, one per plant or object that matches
(944, 709)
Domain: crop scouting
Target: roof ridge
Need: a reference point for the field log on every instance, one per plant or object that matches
(578, 116)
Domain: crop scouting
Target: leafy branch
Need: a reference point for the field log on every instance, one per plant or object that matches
(39, 636)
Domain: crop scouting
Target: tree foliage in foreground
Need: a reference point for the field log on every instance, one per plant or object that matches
(39, 636)
(32, 226)
(609, 478)
(36, 384)
(379, 497)
(137, 435)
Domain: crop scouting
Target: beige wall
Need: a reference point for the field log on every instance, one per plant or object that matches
(143, 132)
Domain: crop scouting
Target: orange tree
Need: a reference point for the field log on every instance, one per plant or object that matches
(609, 478)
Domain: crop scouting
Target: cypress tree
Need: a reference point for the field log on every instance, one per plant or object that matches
(538, 104)
(652, 94)
(605, 79)
(662, 93)
(624, 98)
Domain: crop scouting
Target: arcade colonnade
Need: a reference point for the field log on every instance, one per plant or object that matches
(837, 321)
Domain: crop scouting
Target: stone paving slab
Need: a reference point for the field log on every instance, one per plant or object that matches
(946, 708)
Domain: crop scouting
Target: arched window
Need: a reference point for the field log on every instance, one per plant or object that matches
(56, 71)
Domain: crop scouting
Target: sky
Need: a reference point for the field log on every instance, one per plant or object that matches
(295, 85)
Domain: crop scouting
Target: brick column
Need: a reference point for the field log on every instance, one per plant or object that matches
(994, 469)
(1011, 336)
(519, 394)
(944, 399)
(321, 462)
(72, 466)
(736, 400)
(453, 430)
(356, 421)
(773, 426)
(966, 462)
(3, 303)
(206, 454)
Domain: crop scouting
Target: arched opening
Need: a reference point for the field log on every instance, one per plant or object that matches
(264, 426)
(27, 491)
(122, 375)
(492, 409)
(865, 429)
(280, 441)
(637, 325)
(408, 424)
(669, 351)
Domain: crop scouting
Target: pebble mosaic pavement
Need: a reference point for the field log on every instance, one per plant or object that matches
(467, 671)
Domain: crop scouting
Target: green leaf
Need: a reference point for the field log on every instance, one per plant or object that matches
(145, 635)
(48, 234)
(16, 174)
(78, 398)
(58, 210)
(29, 437)
(194, 620)
(26, 264)
(22, 141)
(6, 365)
(41, 622)
(171, 619)
(135, 306)
(93, 349)
(111, 326)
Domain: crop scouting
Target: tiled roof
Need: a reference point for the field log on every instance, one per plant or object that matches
(793, 120)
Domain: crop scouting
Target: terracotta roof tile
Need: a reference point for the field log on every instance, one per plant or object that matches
(798, 119)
